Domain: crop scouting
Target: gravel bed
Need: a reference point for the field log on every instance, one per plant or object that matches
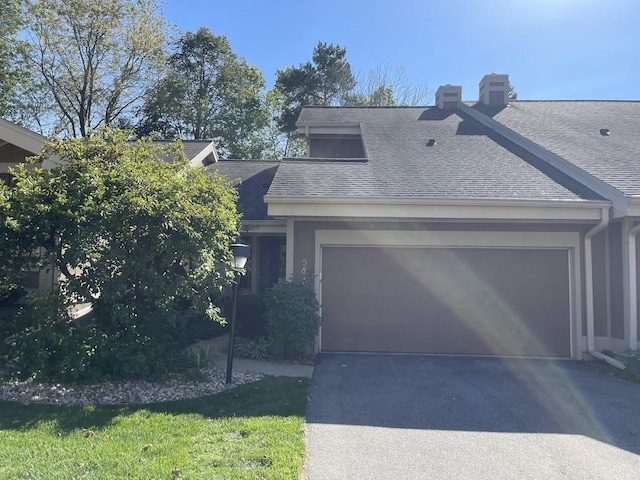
(126, 392)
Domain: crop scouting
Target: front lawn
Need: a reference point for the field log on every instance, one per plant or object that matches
(252, 432)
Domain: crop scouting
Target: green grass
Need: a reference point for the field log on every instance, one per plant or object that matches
(252, 432)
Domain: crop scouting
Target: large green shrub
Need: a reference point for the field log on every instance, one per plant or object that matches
(145, 240)
(293, 318)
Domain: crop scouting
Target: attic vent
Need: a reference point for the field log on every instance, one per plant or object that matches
(431, 142)
(604, 132)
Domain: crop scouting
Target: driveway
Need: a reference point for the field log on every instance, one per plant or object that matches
(422, 417)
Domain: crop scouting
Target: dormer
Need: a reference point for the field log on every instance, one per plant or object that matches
(327, 139)
(494, 89)
(449, 97)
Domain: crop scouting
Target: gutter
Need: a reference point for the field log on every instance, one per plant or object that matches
(588, 271)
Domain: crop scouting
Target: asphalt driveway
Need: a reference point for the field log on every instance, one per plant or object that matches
(421, 417)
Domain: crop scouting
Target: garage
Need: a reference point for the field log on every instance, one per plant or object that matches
(446, 300)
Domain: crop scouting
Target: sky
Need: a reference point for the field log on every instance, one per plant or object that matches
(551, 49)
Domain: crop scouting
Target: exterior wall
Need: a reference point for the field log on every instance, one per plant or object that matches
(336, 147)
(638, 285)
(600, 285)
(616, 272)
(10, 155)
(304, 233)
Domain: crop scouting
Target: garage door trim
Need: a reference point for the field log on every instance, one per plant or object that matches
(466, 239)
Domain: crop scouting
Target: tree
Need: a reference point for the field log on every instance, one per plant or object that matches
(208, 92)
(93, 58)
(142, 238)
(324, 81)
(513, 95)
(12, 71)
(387, 86)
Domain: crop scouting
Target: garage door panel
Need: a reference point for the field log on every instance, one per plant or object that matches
(437, 300)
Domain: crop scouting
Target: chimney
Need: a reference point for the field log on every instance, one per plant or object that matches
(494, 89)
(449, 97)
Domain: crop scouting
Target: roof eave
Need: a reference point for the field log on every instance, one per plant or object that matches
(436, 208)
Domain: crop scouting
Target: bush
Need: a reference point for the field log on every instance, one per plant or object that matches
(632, 370)
(150, 236)
(293, 319)
(43, 343)
(256, 349)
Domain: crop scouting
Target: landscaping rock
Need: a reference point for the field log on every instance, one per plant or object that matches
(126, 392)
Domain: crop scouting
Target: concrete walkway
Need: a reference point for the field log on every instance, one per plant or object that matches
(218, 356)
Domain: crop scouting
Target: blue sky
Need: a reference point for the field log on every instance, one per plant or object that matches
(552, 49)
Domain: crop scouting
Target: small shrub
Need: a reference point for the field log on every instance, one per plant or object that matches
(293, 319)
(256, 349)
(632, 370)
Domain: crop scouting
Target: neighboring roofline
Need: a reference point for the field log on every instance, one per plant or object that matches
(21, 137)
(618, 198)
(210, 149)
(433, 208)
(265, 227)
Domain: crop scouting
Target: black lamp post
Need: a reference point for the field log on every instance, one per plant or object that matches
(241, 253)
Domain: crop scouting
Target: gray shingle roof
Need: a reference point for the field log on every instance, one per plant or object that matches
(465, 162)
(252, 179)
(571, 129)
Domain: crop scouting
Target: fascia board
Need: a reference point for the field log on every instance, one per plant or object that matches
(21, 137)
(481, 210)
(204, 153)
(263, 226)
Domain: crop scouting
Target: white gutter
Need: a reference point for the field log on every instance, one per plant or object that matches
(633, 292)
(588, 272)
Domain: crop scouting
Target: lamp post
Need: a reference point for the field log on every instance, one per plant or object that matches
(241, 253)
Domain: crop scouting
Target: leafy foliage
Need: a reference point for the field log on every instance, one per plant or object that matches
(12, 70)
(324, 81)
(257, 349)
(293, 319)
(142, 238)
(93, 60)
(42, 342)
(632, 363)
(208, 92)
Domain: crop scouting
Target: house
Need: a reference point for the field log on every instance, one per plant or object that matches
(16, 145)
(265, 235)
(482, 228)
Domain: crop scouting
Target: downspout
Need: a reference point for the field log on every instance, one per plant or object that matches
(633, 285)
(588, 272)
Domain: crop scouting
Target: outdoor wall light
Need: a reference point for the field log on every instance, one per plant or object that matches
(241, 254)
